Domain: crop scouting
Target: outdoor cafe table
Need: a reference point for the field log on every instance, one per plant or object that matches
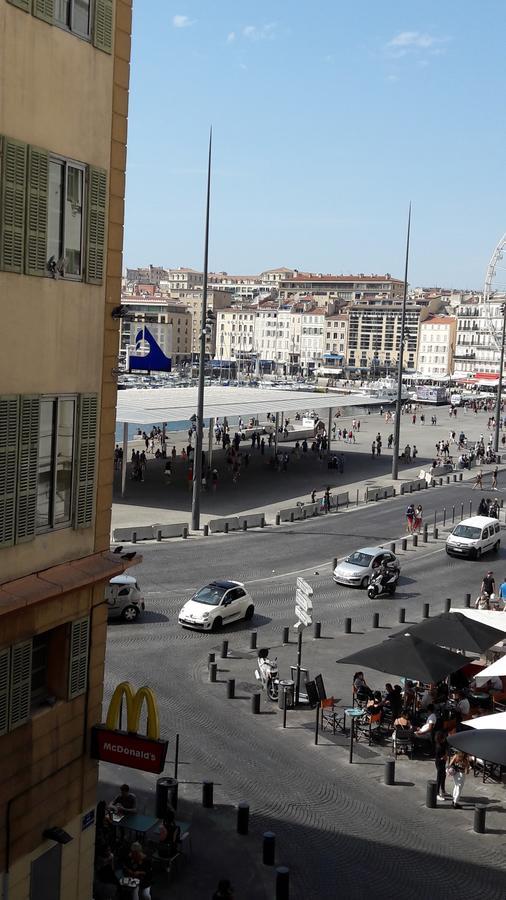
(354, 712)
(138, 824)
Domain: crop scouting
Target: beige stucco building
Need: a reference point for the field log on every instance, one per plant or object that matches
(64, 77)
(437, 338)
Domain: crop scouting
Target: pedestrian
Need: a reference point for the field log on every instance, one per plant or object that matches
(390, 441)
(168, 472)
(214, 479)
(262, 446)
(478, 481)
(422, 419)
(494, 477)
(414, 451)
(327, 498)
(488, 584)
(440, 758)
(313, 496)
(410, 517)
(417, 525)
(373, 448)
(224, 891)
(414, 419)
(458, 769)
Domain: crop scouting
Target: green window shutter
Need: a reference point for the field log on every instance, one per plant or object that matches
(95, 238)
(27, 6)
(5, 679)
(9, 429)
(36, 212)
(12, 205)
(86, 462)
(21, 678)
(102, 25)
(44, 9)
(28, 459)
(78, 664)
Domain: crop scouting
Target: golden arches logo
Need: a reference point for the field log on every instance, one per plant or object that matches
(134, 702)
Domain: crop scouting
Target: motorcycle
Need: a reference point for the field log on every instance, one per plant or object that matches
(267, 673)
(383, 582)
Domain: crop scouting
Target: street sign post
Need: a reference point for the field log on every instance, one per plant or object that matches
(303, 612)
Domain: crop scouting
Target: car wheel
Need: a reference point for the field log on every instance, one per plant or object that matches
(365, 582)
(217, 624)
(130, 614)
(249, 613)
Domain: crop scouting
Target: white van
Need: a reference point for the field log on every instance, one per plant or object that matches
(473, 537)
(124, 599)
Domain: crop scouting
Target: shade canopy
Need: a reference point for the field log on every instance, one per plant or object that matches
(489, 744)
(496, 721)
(497, 668)
(455, 630)
(486, 616)
(179, 404)
(410, 657)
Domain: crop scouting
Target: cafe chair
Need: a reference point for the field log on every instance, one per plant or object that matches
(402, 742)
(329, 716)
(369, 729)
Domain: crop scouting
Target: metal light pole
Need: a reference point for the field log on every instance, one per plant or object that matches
(395, 457)
(499, 386)
(197, 461)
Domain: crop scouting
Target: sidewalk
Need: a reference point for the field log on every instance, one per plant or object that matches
(261, 489)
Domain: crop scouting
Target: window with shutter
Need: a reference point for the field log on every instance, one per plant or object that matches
(9, 426)
(78, 664)
(102, 25)
(28, 456)
(21, 680)
(44, 9)
(86, 463)
(26, 5)
(95, 239)
(12, 204)
(5, 677)
(36, 212)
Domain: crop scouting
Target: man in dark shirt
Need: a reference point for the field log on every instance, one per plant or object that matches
(488, 584)
(125, 802)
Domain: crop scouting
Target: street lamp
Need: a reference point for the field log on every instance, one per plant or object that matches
(397, 430)
(499, 386)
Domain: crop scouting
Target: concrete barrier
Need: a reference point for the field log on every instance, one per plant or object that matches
(371, 493)
(142, 533)
(311, 509)
(407, 487)
(217, 525)
(254, 520)
(169, 531)
(379, 493)
(292, 513)
(342, 499)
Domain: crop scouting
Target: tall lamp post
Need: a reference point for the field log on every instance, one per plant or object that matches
(197, 462)
(397, 430)
(499, 386)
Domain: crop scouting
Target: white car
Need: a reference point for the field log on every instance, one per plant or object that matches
(217, 604)
(356, 569)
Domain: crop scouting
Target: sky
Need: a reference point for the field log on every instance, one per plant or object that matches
(328, 118)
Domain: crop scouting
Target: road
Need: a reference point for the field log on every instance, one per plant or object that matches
(337, 824)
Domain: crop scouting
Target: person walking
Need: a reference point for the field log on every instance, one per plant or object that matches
(417, 525)
(494, 477)
(440, 758)
(478, 481)
(410, 518)
(373, 448)
(458, 769)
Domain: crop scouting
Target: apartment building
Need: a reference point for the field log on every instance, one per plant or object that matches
(241, 287)
(177, 280)
(235, 327)
(192, 300)
(476, 351)
(351, 288)
(374, 334)
(64, 77)
(436, 346)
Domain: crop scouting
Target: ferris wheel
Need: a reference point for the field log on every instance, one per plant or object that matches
(495, 284)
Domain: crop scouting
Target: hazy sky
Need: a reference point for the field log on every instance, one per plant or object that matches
(328, 117)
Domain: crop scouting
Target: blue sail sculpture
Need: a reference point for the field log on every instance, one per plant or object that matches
(152, 361)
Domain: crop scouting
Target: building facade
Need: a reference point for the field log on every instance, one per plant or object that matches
(182, 280)
(64, 77)
(436, 346)
(374, 334)
(192, 300)
(169, 321)
(476, 350)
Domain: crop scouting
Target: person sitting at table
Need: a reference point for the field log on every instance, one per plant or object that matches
(463, 706)
(126, 802)
(428, 696)
(426, 731)
(375, 704)
(106, 883)
(403, 721)
(170, 836)
(361, 689)
(390, 698)
(138, 866)
(409, 695)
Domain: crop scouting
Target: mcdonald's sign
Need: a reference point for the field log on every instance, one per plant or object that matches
(128, 748)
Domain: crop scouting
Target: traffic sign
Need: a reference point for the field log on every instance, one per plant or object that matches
(304, 587)
(303, 600)
(303, 616)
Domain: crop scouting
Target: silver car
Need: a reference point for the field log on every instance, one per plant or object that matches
(124, 598)
(356, 569)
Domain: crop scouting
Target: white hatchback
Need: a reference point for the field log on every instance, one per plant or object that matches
(215, 605)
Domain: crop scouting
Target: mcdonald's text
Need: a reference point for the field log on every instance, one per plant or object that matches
(132, 750)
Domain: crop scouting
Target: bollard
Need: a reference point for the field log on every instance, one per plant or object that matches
(255, 703)
(278, 519)
(213, 669)
(134, 537)
(375, 620)
(404, 544)
(253, 640)
(211, 657)
(334, 563)
(440, 482)
(402, 615)
(425, 611)
(453, 515)
(231, 689)
(357, 503)
(242, 817)
(431, 795)
(317, 630)
(444, 516)
(461, 475)
(392, 547)
(206, 530)
(225, 528)
(262, 522)
(389, 776)
(291, 517)
(435, 518)
(347, 626)
(245, 525)
(224, 649)
(461, 511)
(435, 533)
(448, 604)
(448, 479)
(479, 818)
(207, 794)
(269, 848)
(184, 533)
(425, 535)
(415, 540)
(286, 635)
(470, 508)
(467, 601)
(282, 883)
(159, 534)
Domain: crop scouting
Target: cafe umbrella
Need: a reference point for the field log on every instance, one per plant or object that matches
(408, 656)
(455, 630)
(488, 744)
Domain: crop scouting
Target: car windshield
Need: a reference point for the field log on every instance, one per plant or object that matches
(467, 531)
(359, 559)
(211, 595)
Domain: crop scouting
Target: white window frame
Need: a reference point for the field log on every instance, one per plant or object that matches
(75, 449)
(66, 161)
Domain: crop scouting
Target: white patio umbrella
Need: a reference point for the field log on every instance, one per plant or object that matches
(496, 619)
(496, 721)
(496, 668)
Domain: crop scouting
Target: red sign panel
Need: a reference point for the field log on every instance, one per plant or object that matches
(132, 750)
